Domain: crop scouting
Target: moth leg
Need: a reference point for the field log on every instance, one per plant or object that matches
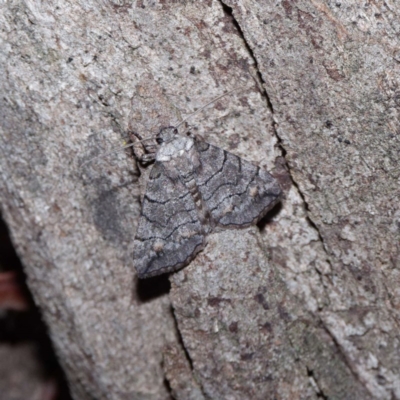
(144, 152)
(148, 158)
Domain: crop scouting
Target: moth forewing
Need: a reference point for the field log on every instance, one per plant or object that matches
(193, 188)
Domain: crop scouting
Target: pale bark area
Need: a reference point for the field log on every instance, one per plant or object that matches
(307, 306)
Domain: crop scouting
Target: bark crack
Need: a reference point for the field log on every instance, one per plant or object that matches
(342, 352)
(229, 11)
(187, 356)
(319, 392)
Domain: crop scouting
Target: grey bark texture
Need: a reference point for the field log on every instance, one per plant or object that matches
(303, 306)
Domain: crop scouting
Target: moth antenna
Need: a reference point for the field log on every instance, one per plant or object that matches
(210, 102)
(112, 151)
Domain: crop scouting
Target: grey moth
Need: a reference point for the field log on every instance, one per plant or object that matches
(193, 189)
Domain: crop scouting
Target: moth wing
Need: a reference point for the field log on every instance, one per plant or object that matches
(169, 234)
(236, 192)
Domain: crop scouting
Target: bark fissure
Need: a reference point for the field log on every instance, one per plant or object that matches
(181, 342)
(259, 79)
(342, 353)
(264, 92)
(319, 391)
(312, 224)
(191, 382)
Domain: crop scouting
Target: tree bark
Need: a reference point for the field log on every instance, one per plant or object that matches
(304, 305)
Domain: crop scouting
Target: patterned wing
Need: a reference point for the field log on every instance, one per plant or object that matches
(169, 233)
(236, 192)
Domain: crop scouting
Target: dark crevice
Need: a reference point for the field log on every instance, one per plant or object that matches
(180, 340)
(151, 288)
(187, 355)
(306, 206)
(342, 353)
(264, 221)
(229, 11)
(27, 326)
(168, 387)
(320, 393)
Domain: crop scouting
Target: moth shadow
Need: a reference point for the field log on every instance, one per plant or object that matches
(150, 288)
(264, 221)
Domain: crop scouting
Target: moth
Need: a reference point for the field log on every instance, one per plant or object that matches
(193, 189)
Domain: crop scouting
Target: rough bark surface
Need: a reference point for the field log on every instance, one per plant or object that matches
(303, 306)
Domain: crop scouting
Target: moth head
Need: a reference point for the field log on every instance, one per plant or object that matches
(166, 134)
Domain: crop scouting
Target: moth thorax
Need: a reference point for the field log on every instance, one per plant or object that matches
(158, 246)
(253, 191)
(166, 134)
